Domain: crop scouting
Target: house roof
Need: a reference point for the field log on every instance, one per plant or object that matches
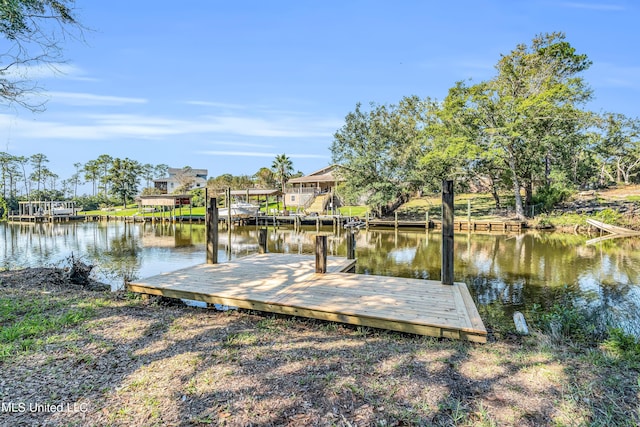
(322, 175)
(256, 192)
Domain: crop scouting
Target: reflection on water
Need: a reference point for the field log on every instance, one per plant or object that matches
(511, 272)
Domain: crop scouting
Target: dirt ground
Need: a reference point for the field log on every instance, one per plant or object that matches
(134, 362)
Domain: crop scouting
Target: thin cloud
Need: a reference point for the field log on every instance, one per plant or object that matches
(217, 105)
(83, 99)
(135, 126)
(593, 6)
(242, 144)
(262, 154)
(48, 71)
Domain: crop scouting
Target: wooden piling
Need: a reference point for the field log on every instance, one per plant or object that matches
(262, 241)
(212, 231)
(351, 245)
(447, 232)
(321, 254)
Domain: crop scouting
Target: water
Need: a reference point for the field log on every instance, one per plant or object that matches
(505, 272)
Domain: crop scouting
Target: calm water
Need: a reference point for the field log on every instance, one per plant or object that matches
(505, 272)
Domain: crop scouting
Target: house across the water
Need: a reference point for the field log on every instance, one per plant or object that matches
(182, 179)
(313, 193)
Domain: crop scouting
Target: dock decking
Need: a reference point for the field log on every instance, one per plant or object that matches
(288, 284)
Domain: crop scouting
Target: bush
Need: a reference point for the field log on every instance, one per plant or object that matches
(550, 195)
(622, 345)
(609, 216)
(566, 320)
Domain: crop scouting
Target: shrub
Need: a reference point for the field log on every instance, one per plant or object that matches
(550, 195)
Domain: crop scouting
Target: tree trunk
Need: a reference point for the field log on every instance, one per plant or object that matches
(516, 190)
(528, 188)
(496, 197)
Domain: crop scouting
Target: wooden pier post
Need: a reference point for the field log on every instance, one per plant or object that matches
(262, 241)
(447, 232)
(212, 231)
(351, 245)
(427, 219)
(395, 221)
(321, 254)
(227, 202)
(468, 214)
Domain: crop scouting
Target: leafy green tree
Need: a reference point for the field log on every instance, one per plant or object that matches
(619, 148)
(7, 162)
(124, 176)
(528, 116)
(148, 171)
(282, 167)
(265, 178)
(379, 152)
(104, 163)
(91, 172)
(33, 30)
(40, 173)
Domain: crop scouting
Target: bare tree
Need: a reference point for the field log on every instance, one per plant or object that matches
(34, 30)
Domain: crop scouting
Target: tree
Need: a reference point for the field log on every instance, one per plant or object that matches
(104, 163)
(40, 172)
(161, 170)
(265, 178)
(7, 161)
(186, 178)
(75, 179)
(379, 152)
(619, 148)
(124, 176)
(528, 116)
(282, 167)
(147, 173)
(91, 173)
(34, 30)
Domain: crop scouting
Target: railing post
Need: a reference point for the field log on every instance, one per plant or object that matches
(447, 232)
(321, 254)
(212, 231)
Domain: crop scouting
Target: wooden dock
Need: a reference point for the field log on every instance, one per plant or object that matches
(287, 284)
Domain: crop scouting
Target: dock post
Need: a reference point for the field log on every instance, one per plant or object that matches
(395, 221)
(351, 245)
(321, 254)
(367, 220)
(426, 220)
(212, 231)
(262, 241)
(468, 214)
(447, 232)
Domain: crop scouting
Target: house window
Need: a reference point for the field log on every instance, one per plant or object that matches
(293, 198)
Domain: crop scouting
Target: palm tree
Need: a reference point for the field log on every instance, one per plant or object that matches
(282, 167)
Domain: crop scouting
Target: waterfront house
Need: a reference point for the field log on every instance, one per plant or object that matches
(313, 193)
(182, 179)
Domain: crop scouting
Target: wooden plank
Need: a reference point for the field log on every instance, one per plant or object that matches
(472, 310)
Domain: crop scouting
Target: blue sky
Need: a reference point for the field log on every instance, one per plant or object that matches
(228, 85)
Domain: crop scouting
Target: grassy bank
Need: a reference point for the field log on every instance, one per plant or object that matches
(119, 360)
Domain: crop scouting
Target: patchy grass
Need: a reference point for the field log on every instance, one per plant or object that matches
(359, 211)
(130, 361)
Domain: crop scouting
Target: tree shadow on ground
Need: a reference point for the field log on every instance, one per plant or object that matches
(141, 363)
